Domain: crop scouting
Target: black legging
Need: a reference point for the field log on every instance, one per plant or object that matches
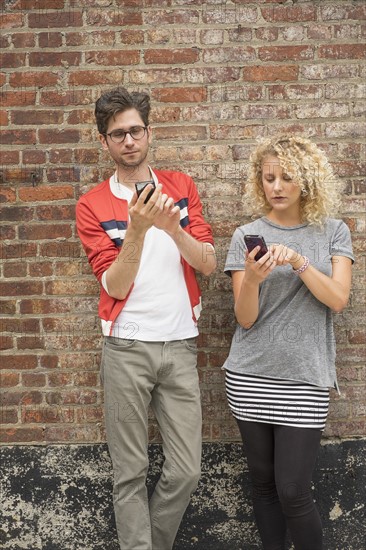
(281, 460)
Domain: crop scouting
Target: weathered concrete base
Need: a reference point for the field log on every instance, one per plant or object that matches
(59, 498)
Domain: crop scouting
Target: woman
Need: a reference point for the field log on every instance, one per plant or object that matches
(282, 358)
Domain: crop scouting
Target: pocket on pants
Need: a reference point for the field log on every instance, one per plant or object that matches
(191, 344)
(118, 343)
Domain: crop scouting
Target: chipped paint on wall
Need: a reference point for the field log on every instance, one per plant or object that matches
(60, 498)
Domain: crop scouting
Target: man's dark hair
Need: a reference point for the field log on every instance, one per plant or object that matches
(118, 100)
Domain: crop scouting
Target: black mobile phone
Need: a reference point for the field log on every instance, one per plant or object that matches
(251, 241)
(140, 186)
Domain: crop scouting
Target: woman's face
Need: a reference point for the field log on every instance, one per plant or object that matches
(281, 192)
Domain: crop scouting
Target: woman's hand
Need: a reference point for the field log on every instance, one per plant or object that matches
(258, 271)
(283, 255)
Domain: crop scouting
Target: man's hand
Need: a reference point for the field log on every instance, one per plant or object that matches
(143, 215)
(169, 217)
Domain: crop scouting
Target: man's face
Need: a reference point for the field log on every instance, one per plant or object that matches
(131, 152)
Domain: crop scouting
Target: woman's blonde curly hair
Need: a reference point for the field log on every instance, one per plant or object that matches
(307, 166)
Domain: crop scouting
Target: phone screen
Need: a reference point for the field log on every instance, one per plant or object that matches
(251, 241)
(140, 186)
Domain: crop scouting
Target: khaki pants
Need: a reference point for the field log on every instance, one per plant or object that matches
(135, 374)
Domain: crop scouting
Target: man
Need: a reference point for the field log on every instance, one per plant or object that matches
(143, 252)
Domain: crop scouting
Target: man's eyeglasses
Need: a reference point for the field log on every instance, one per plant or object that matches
(136, 132)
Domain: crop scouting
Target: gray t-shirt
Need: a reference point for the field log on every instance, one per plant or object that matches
(293, 336)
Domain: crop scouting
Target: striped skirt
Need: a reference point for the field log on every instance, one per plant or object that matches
(259, 399)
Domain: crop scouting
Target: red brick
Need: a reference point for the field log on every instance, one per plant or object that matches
(53, 59)
(63, 174)
(30, 342)
(33, 156)
(90, 379)
(37, 117)
(296, 14)
(89, 414)
(21, 98)
(182, 133)
(343, 12)
(94, 78)
(4, 118)
(180, 95)
(9, 157)
(33, 379)
(61, 156)
(55, 212)
(18, 250)
(8, 416)
(268, 34)
(237, 54)
(59, 136)
(23, 40)
(7, 232)
(319, 32)
(18, 362)
(10, 60)
(160, 18)
(175, 56)
(132, 36)
(20, 398)
(113, 18)
(71, 287)
(76, 38)
(53, 19)
(36, 232)
(240, 34)
(50, 39)
(357, 337)
(285, 53)
(25, 5)
(229, 14)
(75, 434)
(49, 361)
(70, 249)
(11, 20)
(69, 97)
(46, 193)
(40, 269)
(103, 38)
(87, 156)
(159, 76)
(114, 57)
(7, 307)
(68, 269)
(22, 435)
(72, 397)
(9, 379)
(35, 79)
(18, 137)
(22, 288)
(15, 269)
(4, 44)
(271, 73)
(342, 51)
(45, 414)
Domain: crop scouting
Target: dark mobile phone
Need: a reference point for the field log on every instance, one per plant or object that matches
(140, 186)
(252, 241)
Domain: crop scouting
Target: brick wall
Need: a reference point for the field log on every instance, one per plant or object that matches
(221, 73)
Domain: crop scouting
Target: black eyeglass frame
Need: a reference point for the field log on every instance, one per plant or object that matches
(145, 128)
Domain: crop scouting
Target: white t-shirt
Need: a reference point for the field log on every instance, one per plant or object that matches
(158, 308)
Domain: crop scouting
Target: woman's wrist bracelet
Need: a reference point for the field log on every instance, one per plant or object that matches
(304, 266)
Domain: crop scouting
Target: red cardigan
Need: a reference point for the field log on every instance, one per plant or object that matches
(99, 211)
